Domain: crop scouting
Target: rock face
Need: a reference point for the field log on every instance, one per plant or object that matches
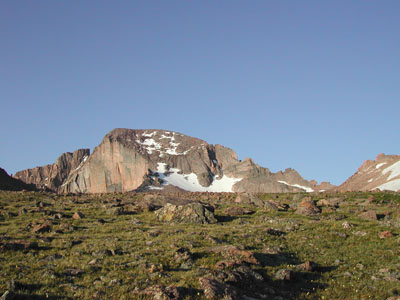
(382, 173)
(53, 176)
(130, 159)
(12, 184)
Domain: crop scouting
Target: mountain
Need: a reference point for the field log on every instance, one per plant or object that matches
(128, 160)
(382, 173)
(9, 183)
(53, 176)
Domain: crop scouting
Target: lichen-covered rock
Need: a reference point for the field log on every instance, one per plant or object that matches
(307, 208)
(369, 215)
(193, 213)
(214, 289)
(159, 292)
(236, 254)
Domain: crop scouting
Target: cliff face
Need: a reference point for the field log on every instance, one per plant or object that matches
(383, 173)
(52, 176)
(130, 159)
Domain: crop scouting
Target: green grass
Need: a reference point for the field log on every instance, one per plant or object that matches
(133, 256)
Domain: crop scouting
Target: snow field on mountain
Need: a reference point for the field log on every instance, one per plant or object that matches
(393, 185)
(394, 169)
(190, 182)
(307, 189)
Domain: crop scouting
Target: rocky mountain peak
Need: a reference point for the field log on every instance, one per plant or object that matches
(153, 159)
(382, 173)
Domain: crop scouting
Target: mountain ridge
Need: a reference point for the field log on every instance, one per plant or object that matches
(131, 159)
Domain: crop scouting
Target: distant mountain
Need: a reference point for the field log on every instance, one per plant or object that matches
(382, 174)
(9, 183)
(128, 160)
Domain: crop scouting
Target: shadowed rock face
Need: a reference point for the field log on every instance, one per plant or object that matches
(9, 183)
(129, 159)
(382, 173)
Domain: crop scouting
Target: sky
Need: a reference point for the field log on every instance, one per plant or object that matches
(309, 85)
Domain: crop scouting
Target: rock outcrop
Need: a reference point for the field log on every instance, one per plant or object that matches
(129, 160)
(380, 174)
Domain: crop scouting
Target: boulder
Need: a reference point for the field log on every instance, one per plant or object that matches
(237, 211)
(214, 289)
(193, 213)
(369, 215)
(307, 208)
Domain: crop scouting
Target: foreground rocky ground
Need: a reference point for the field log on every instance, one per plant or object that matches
(199, 246)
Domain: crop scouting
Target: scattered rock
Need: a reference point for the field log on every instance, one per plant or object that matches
(159, 292)
(193, 213)
(237, 211)
(184, 257)
(360, 233)
(45, 227)
(308, 266)
(369, 215)
(307, 208)
(346, 225)
(115, 211)
(93, 261)
(235, 254)
(78, 215)
(136, 222)
(275, 232)
(284, 274)
(154, 232)
(385, 234)
(74, 272)
(214, 289)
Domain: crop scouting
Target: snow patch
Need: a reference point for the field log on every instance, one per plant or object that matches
(307, 189)
(155, 188)
(393, 185)
(149, 134)
(380, 165)
(190, 182)
(81, 164)
(393, 169)
(150, 145)
(370, 180)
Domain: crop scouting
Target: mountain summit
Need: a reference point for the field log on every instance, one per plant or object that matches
(128, 160)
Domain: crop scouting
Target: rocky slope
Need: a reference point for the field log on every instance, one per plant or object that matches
(130, 159)
(382, 173)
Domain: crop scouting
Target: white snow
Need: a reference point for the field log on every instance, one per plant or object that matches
(149, 134)
(393, 185)
(190, 182)
(307, 189)
(370, 180)
(393, 169)
(81, 164)
(380, 165)
(156, 188)
(150, 145)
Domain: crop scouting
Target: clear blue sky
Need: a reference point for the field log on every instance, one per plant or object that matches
(311, 85)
